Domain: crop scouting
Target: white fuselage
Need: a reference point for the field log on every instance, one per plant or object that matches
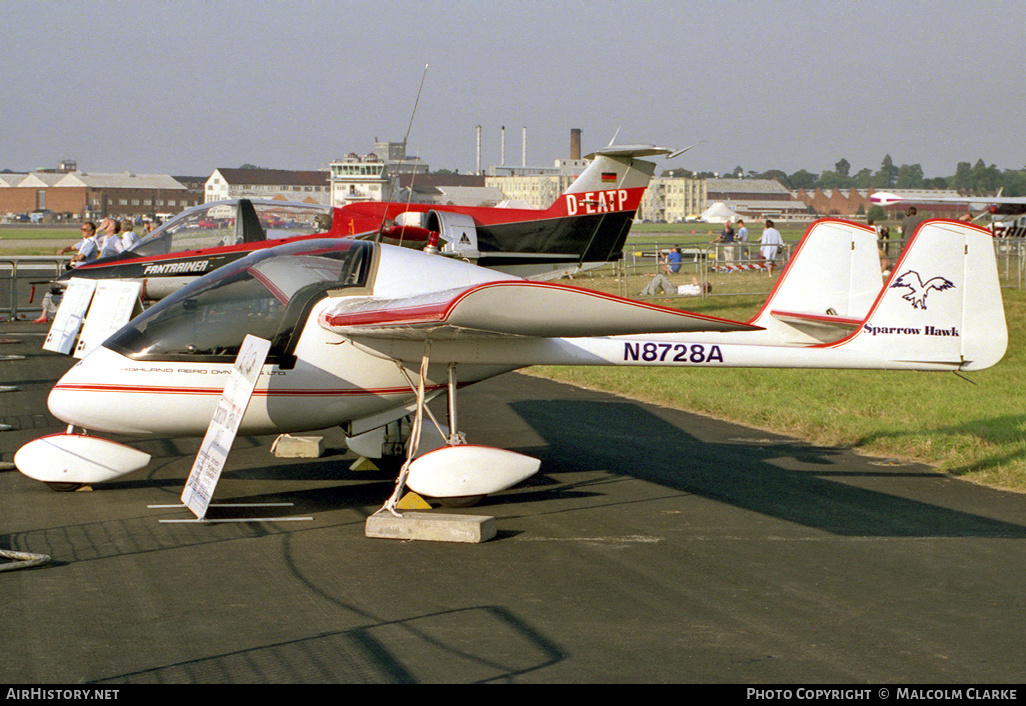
(332, 382)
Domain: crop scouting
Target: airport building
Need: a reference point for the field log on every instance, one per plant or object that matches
(449, 188)
(393, 154)
(388, 174)
(534, 187)
(361, 178)
(673, 200)
(281, 184)
(755, 199)
(84, 195)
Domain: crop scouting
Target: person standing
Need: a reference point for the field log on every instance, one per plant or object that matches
(911, 222)
(727, 238)
(742, 239)
(771, 242)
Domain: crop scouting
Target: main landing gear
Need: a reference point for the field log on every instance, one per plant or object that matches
(458, 474)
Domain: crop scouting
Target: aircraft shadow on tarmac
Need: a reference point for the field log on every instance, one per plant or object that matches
(812, 486)
(824, 488)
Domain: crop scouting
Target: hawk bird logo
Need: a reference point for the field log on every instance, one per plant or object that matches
(919, 289)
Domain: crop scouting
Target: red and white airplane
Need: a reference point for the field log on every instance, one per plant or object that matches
(588, 223)
(363, 334)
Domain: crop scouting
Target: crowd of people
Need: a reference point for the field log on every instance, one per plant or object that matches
(110, 237)
(728, 240)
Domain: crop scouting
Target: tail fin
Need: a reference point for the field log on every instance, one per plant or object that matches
(941, 305)
(614, 181)
(827, 287)
(604, 198)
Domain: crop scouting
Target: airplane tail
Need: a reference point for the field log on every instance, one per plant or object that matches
(615, 180)
(941, 304)
(940, 308)
(604, 199)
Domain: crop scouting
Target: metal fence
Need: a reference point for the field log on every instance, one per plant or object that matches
(717, 270)
(24, 281)
(739, 270)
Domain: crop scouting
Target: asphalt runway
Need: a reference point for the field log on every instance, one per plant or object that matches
(653, 546)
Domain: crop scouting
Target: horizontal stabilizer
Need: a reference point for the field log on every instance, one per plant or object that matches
(831, 326)
(513, 308)
(827, 287)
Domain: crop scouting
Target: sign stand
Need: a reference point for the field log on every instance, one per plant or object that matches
(213, 452)
(113, 305)
(70, 315)
(206, 521)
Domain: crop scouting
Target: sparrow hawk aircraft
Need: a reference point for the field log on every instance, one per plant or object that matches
(363, 334)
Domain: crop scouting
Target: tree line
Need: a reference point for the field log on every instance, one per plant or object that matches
(977, 179)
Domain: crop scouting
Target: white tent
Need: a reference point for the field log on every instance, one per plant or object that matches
(719, 213)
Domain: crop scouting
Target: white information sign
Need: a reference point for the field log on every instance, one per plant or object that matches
(213, 452)
(114, 303)
(68, 319)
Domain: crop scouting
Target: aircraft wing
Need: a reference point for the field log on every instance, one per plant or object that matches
(512, 308)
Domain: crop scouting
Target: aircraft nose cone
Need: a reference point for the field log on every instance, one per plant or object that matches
(86, 395)
(69, 401)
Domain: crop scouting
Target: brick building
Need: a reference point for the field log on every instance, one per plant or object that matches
(93, 195)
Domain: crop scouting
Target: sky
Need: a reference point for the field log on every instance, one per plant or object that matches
(186, 86)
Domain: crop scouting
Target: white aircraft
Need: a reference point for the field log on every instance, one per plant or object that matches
(995, 206)
(363, 334)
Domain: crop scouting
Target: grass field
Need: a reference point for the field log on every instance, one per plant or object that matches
(975, 431)
(46, 235)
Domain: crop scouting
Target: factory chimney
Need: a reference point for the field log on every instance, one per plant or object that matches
(502, 147)
(478, 150)
(575, 143)
(523, 147)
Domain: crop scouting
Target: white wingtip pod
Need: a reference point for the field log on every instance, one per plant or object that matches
(77, 458)
(942, 304)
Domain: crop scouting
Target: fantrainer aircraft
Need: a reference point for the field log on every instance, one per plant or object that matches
(588, 223)
(363, 334)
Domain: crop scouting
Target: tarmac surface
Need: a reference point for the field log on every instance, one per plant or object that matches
(653, 546)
